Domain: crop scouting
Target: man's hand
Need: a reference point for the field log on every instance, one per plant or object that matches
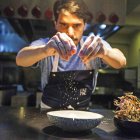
(92, 48)
(61, 44)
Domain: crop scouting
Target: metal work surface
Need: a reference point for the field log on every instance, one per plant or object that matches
(32, 124)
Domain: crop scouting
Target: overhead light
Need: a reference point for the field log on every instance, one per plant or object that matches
(49, 14)
(23, 11)
(102, 26)
(1, 47)
(9, 11)
(116, 28)
(36, 12)
(113, 18)
(100, 18)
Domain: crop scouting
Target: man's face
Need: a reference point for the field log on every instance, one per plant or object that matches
(71, 25)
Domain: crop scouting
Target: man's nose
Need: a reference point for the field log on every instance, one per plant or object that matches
(70, 32)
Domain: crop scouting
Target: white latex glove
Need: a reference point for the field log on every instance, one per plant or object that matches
(62, 44)
(92, 48)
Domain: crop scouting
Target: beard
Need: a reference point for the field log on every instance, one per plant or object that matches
(75, 40)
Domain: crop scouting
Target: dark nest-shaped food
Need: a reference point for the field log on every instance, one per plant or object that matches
(127, 114)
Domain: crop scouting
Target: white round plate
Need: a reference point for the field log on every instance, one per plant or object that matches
(73, 120)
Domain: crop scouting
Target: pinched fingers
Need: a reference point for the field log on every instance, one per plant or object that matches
(90, 48)
(68, 43)
(58, 46)
(63, 45)
(85, 45)
(97, 52)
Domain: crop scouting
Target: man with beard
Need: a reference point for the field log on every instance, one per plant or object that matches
(69, 61)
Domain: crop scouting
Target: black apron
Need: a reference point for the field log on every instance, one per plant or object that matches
(68, 89)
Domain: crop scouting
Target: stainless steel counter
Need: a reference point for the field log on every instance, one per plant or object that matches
(32, 124)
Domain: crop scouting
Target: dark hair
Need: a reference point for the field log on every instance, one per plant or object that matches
(77, 7)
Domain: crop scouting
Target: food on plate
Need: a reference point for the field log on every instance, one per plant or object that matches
(128, 108)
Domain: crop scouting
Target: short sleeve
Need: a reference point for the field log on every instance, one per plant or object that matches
(39, 42)
(106, 44)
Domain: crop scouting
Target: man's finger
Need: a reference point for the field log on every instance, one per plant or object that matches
(73, 48)
(88, 41)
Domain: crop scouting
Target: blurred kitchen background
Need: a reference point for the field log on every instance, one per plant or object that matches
(22, 21)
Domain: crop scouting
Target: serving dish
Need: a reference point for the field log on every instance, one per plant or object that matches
(128, 127)
(127, 113)
(74, 120)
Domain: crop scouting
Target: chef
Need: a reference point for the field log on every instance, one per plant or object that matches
(69, 61)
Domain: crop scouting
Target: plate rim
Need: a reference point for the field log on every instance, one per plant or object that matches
(100, 115)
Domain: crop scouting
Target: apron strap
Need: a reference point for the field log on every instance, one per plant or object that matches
(55, 63)
(89, 67)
